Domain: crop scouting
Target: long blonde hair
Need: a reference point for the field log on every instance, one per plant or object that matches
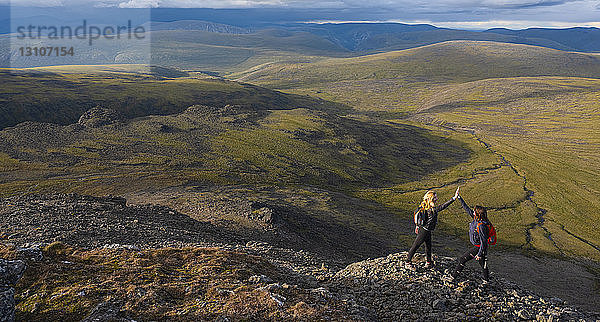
(428, 202)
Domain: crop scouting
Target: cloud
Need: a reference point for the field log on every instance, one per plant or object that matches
(457, 4)
(391, 5)
(139, 4)
(198, 4)
(455, 13)
(510, 24)
(219, 3)
(37, 3)
(510, 4)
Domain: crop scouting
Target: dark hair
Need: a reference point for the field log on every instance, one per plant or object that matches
(480, 213)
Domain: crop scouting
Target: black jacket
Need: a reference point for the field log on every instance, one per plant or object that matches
(431, 215)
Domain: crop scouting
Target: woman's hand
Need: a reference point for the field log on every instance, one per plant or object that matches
(456, 194)
(417, 230)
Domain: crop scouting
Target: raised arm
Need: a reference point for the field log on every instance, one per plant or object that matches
(466, 207)
(444, 206)
(449, 202)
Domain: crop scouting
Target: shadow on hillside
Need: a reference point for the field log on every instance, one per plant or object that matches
(63, 98)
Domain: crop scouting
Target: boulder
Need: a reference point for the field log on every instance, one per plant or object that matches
(10, 273)
(259, 279)
(98, 116)
(33, 253)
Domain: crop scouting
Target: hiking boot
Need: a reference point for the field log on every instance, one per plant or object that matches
(429, 265)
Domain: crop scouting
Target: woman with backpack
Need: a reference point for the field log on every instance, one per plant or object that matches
(426, 218)
(481, 234)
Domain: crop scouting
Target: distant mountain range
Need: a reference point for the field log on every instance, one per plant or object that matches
(583, 39)
(228, 41)
(368, 37)
(199, 25)
(355, 37)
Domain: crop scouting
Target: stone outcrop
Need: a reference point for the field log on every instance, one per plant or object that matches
(10, 273)
(100, 221)
(98, 116)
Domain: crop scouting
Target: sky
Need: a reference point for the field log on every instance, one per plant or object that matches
(461, 14)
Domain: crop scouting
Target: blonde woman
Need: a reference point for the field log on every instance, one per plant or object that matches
(426, 218)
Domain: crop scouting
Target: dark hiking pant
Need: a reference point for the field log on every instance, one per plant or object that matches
(469, 255)
(424, 236)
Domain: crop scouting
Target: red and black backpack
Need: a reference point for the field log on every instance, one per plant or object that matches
(491, 232)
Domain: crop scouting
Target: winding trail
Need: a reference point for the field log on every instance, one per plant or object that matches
(540, 212)
(580, 238)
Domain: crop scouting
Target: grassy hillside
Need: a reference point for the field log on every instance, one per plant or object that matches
(39, 95)
(544, 136)
(221, 52)
(528, 110)
(454, 61)
(305, 149)
(399, 81)
(231, 145)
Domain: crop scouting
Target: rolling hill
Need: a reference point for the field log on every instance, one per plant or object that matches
(43, 95)
(227, 52)
(453, 61)
(579, 38)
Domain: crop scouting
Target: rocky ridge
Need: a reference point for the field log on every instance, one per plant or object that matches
(86, 221)
(386, 290)
(109, 222)
(374, 289)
